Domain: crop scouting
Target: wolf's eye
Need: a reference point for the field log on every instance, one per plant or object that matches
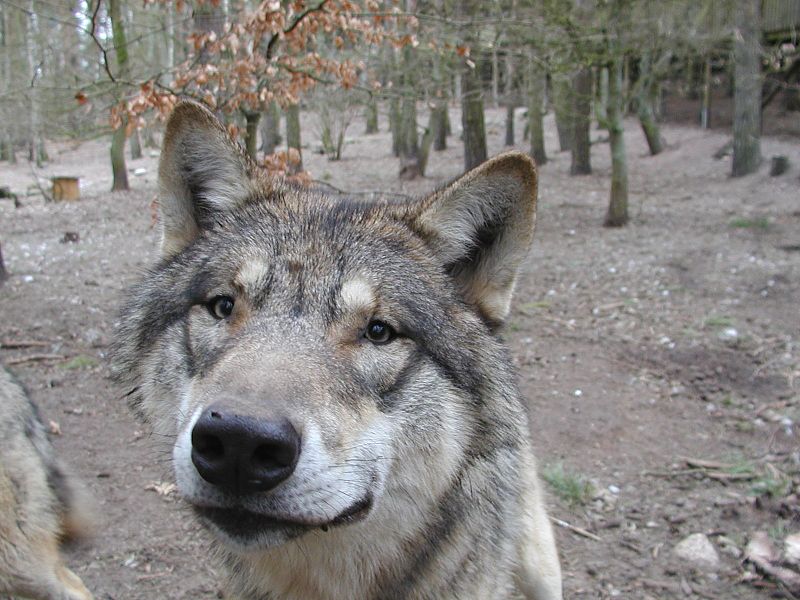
(220, 307)
(379, 332)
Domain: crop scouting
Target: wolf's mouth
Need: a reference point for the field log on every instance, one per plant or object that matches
(240, 523)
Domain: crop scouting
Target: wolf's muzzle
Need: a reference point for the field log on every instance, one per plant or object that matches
(243, 454)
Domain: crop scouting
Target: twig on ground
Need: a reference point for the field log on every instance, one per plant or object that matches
(578, 530)
(34, 358)
(706, 464)
(17, 344)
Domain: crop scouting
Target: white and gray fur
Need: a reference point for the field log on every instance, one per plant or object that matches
(428, 431)
(39, 505)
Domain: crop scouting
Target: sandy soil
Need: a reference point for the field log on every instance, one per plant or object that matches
(674, 338)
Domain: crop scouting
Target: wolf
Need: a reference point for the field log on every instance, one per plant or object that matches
(330, 375)
(39, 505)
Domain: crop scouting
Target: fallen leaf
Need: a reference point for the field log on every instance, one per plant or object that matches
(162, 488)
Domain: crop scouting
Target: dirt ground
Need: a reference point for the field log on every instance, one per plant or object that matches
(661, 360)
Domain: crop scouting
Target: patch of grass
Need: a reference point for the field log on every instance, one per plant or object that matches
(774, 485)
(741, 467)
(571, 487)
(778, 532)
(719, 321)
(79, 362)
(761, 223)
(535, 305)
(327, 176)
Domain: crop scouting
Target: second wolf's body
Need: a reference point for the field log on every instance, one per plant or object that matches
(37, 505)
(342, 411)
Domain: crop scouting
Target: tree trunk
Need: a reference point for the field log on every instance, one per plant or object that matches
(371, 116)
(270, 128)
(747, 92)
(562, 101)
(601, 99)
(409, 140)
(136, 145)
(149, 138)
(472, 121)
(650, 128)
(427, 142)
(6, 148)
(118, 168)
(252, 118)
(705, 109)
(395, 124)
(537, 82)
(169, 33)
(509, 124)
(293, 135)
(3, 271)
(495, 76)
(617, 215)
(582, 122)
(439, 125)
(644, 106)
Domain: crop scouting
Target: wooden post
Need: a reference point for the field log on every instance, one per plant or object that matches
(66, 188)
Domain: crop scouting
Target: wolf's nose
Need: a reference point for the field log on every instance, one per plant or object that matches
(243, 454)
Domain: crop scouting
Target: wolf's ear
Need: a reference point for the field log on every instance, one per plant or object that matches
(481, 226)
(202, 173)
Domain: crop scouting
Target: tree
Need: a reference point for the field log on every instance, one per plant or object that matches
(371, 115)
(273, 52)
(563, 105)
(581, 122)
(472, 122)
(293, 138)
(118, 167)
(747, 88)
(3, 271)
(270, 128)
(536, 88)
(617, 214)
(646, 91)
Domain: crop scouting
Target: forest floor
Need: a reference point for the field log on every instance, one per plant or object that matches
(661, 360)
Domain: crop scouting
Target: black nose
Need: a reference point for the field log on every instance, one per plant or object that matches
(243, 454)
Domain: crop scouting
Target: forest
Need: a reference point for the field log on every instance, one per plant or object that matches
(654, 326)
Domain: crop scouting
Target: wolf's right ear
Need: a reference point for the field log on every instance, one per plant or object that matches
(202, 173)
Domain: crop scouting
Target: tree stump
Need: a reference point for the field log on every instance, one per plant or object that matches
(66, 188)
(778, 165)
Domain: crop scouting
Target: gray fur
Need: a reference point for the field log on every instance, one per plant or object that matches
(38, 504)
(430, 427)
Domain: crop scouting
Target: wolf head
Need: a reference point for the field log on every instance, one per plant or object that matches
(318, 362)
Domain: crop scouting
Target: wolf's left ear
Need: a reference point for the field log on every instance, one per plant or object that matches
(202, 174)
(481, 226)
